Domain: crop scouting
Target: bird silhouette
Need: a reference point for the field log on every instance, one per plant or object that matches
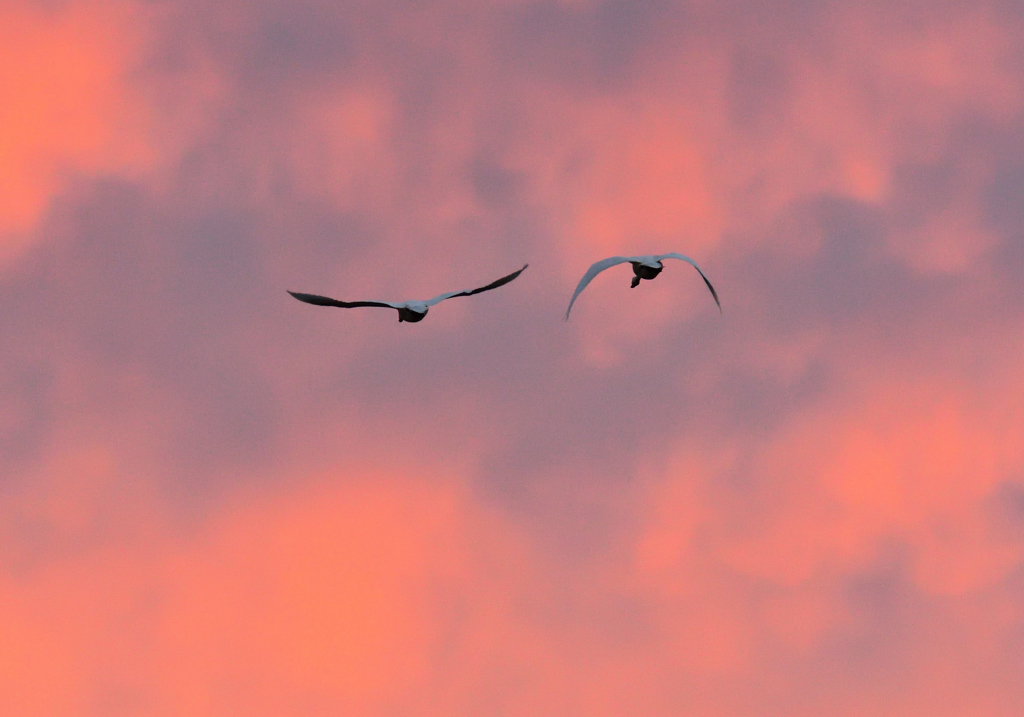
(410, 311)
(644, 267)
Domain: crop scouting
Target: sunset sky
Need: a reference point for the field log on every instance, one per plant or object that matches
(218, 501)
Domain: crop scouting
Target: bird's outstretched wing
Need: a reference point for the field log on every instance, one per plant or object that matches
(595, 269)
(493, 285)
(691, 262)
(326, 301)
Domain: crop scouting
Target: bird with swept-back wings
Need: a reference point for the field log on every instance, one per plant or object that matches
(411, 311)
(644, 267)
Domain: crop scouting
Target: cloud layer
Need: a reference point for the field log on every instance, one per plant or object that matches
(215, 500)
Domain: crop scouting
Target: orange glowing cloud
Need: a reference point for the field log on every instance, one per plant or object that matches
(65, 107)
(339, 595)
(909, 463)
(300, 597)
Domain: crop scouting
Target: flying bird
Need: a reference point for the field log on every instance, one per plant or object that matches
(644, 267)
(411, 311)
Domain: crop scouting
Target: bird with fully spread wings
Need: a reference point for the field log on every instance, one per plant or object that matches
(411, 311)
(644, 267)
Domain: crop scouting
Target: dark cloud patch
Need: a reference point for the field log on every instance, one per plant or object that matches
(1003, 199)
(159, 282)
(591, 45)
(1005, 509)
(231, 418)
(759, 86)
(851, 279)
(871, 654)
(302, 40)
(269, 47)
(26, 409)
(759, 404)
(495, 185)
(849, 276)
(1004, 196)
(169, 296)
(920, 191)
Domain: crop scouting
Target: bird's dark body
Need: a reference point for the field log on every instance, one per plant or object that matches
(643, 271)
(409, 315)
